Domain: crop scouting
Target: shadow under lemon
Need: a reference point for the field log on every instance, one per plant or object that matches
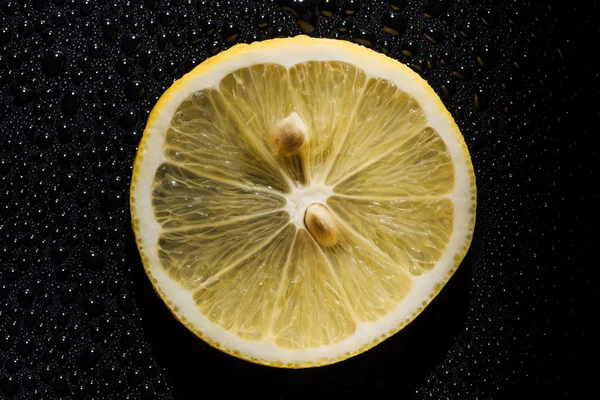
(399, 365)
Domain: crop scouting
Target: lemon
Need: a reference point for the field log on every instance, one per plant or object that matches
(297, 201)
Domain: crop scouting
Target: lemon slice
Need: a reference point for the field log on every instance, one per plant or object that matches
(297, 201)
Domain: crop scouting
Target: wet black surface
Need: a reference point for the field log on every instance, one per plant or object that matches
(79, 319)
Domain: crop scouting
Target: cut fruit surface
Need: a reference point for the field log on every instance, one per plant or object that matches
(296, 201)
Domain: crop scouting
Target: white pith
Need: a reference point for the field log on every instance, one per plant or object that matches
(298, 200)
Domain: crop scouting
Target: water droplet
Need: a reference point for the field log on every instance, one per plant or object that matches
(397, 5)
(344, 26)
(173, 68)
(25, 347)
(148, 393)
(6, 341)
(40, 25)
(131, 43)
(110, 373)
(5, 35)
(29, 382)
(183, 19)
(61, 385)
(461, 72)
(127, 339)
(93, 260)
(70, 102)
(262, 21)
(88, 358)
(481, 99)
(246, 12)
(10, 8)
(296, 7)
(515, 17)
(488, 16)
(9, 386)
(308, 22)
(512, 106)
(418, 65)
(230, 32)
(25, 28)
(486, 56)
(176, 39)
(53, 64)
(385, 46)
(159, 73)
(279, 32)
(434, 8)
(393, 24)
(521, 61)
(96, 50)
(446, 57)
(47, 372)
(59, 255)
(123, 67)
(327, 7)
(510, 83)
(167, 18)
(194, 37)
(146, 59)
(125, 303)
(467, 30)
(68, 181)
(135, 90)
(163, 42)
(49, 36)
(86, 7)
(26, 297)
(151, 4)
(23, 94)
(109, 30)
(433, 35)
(409, 49)
(151, 26)
(79, 76)
(351, 7)
(135, 378)
(447, 18)
(364, 38)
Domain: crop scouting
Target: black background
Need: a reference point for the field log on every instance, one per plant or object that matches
(78, 317)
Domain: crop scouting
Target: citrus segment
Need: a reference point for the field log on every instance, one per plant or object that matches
(183, 200)
(419, 166)
(311, 309)
(384, 119)
(250, 91)
(192, 256)
(374, 283)
(413, 233)
(205, 138)
(326, 94)
(242, 299)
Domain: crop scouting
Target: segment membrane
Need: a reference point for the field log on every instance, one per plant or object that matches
(194, 255)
